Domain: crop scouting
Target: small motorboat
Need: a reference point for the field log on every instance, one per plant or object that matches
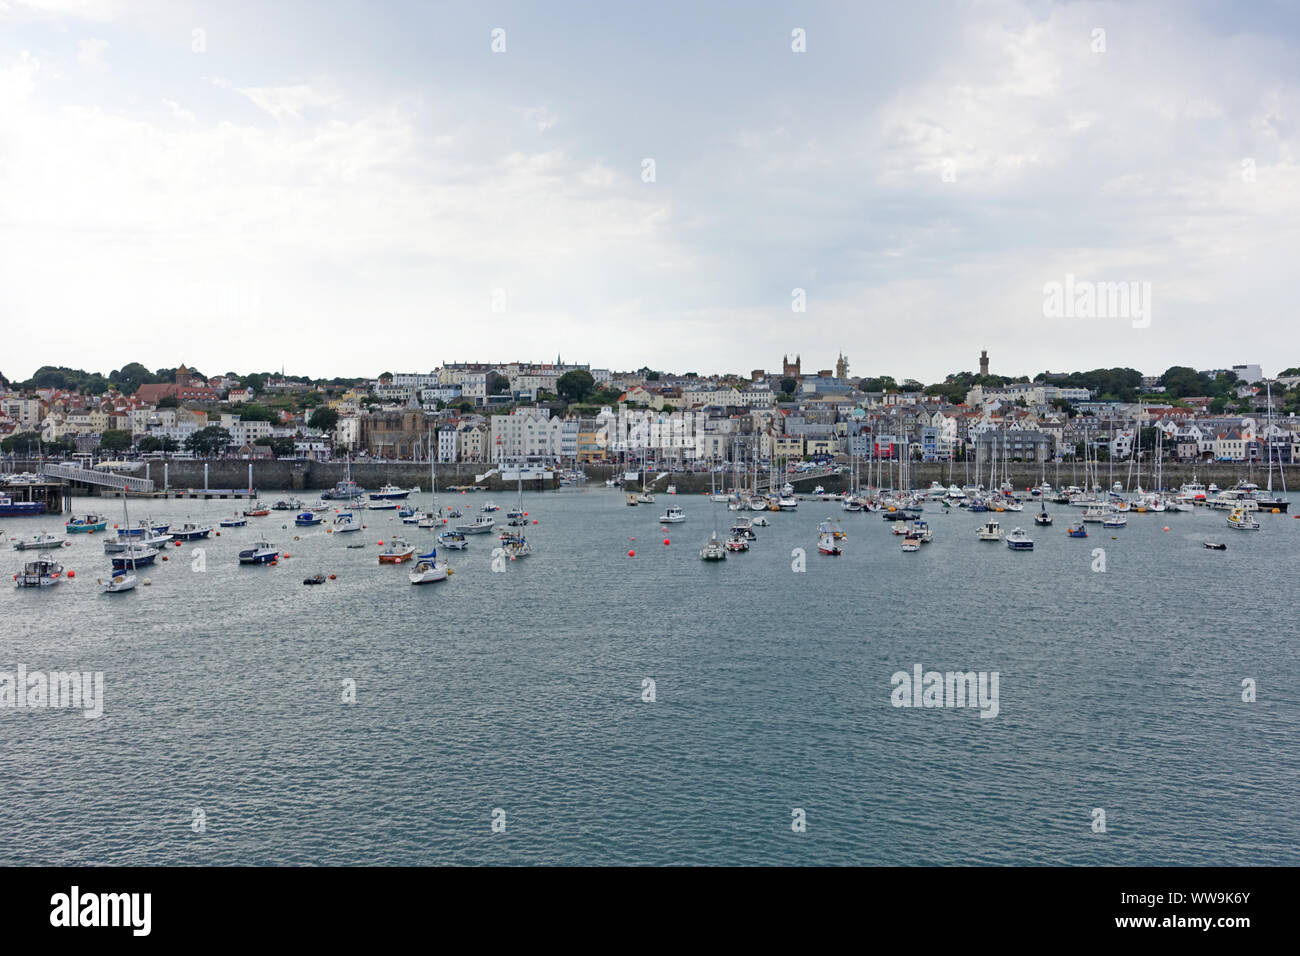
(760, 522)
(737, 543)
(1241, 520)
(490, 507)
(257, 512)
(454, 540)
(480, 525)
(826, 545)
(389, 493)
(426, 572)
(236, 521)
(911, 541)
(86, 524)
(1017, 540)
(1214, 545)
(287, 504)
(44, 572)
(39, 542)
(191, 532)
(307, 519)
(990, 531)
(631, 501)
(397, 552)
(428, 522)
(260, 553)
(1076, 530)
(673, 515)
(381, 504)
(1115, 520)
(314, 579)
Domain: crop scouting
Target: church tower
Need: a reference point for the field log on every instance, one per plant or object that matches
(984, 361)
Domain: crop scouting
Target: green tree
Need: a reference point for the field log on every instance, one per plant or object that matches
(497, 384)
(114, 439)
(169, 401)
(789, 385)
(576, 385)
(282, 447)
(324, 418)
(207, 442)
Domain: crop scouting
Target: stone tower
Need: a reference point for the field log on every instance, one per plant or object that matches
(842, 367)
(984, 361)
(789, 370)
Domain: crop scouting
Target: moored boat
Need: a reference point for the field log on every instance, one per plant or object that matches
(44, 572)
(259, 553)
(397, 552)
(86, 524)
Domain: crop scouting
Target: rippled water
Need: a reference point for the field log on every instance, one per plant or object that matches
(522, 691)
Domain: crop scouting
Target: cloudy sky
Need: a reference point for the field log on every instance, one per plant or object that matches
(348, 188)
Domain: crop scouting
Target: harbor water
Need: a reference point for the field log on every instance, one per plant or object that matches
(522, 695)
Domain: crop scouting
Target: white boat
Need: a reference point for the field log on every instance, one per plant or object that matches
(826, 544)
(760, 522)
(382, 504)
(489, 507)
(428, 522)
(673, 515)
(480, 525)
(118, 583)
(345, 522)
(645, 499)
(671, 489)
(39, 542)
(990, 531)
(389, 493)
(1242, 521)
(787, 503)
(1114, 521)
(1096, 513)
(397, 552)
(454, 540)
(714, 550)
(787, 490)
(1017, 540)
(428, 571)
(515, 546)
(44, 572)
(415, 517)
(631, 501)
(758, 504)
(724, 499)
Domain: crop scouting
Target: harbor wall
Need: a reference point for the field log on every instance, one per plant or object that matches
(270, 477)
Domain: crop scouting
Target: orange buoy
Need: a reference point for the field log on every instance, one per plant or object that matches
(380, 543)
(1166, 527)
(288, 555)
(534, 521)
(333, 576)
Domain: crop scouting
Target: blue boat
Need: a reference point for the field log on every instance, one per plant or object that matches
(236, 522)
(1077, 531)
(260, 553)
(191, 532)
(142, 528)
(17, 509)
(134, 557)
(306, 519)
(86, 524)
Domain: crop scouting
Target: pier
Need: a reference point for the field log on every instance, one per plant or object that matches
(50, 492)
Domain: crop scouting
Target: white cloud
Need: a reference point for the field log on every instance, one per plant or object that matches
(90, 54)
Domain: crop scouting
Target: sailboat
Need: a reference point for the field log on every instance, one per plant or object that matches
(514, 543)
(123, 579)
(714, 550)
(1042, 518)
(1269, 501)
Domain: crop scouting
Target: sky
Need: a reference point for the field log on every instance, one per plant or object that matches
(346, 188)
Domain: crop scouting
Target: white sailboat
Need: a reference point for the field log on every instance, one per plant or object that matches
(123, 580)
